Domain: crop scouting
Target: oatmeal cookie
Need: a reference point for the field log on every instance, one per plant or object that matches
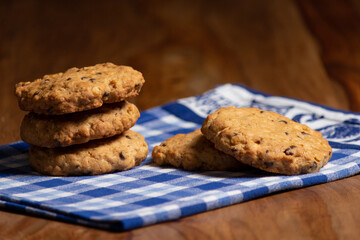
(267, 140)
(76, 128)
(118, 153)
(79, 89)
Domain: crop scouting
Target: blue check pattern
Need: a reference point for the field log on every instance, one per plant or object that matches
(150, 194)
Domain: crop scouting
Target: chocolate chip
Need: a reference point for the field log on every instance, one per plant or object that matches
(83, 78)
(286, 133)
(36, 93)
(98, 73)
(77, 166)
(304, 133)
(45, 81)
(314, 165)
(68, 79)
(288, 150)
(267, 151)
(258, 141)
(122, 156)
(163, 145)
(234, 150)
(235, 134)
(127, 136)
(283, 121)
(137, 86)
(92, 79)
(268, 164)
(329, 153)
(78, 70)
(106, 94)
(261, 111)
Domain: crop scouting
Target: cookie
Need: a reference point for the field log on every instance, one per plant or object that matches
(193, 152)
(267, 140)
(118, 153)
(79, 89)
(76, 128)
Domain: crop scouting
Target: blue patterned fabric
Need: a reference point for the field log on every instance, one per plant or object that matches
(150, 194)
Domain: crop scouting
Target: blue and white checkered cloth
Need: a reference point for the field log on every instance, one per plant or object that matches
(150, 194)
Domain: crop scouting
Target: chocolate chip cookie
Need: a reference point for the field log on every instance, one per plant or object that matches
(267, 140)
(79, 89)
(75, 128)
(192, 152)
(118, 153)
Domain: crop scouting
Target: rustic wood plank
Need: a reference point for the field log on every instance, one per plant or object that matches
(262, 45)
(336, 26)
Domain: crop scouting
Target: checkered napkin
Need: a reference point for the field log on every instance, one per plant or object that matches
(150, 194)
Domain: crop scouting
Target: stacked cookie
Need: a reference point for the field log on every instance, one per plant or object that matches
(250, 136)
(79, 120)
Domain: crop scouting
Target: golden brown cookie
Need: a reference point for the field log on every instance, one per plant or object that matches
(192, 152)
(79, 89)
(75, 128)
(267, 140)
(118, 153)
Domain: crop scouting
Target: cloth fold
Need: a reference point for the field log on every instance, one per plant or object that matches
(150, 194)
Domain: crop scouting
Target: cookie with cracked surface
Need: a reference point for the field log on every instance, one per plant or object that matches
(267, 140)
(79, 89)
(81, 127)
(118, 153)
(193, 152)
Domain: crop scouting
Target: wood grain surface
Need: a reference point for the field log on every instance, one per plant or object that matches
(305, 49)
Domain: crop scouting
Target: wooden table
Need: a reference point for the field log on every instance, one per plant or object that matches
(304, 49)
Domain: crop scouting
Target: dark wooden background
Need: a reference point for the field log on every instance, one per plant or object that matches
(305, 49)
